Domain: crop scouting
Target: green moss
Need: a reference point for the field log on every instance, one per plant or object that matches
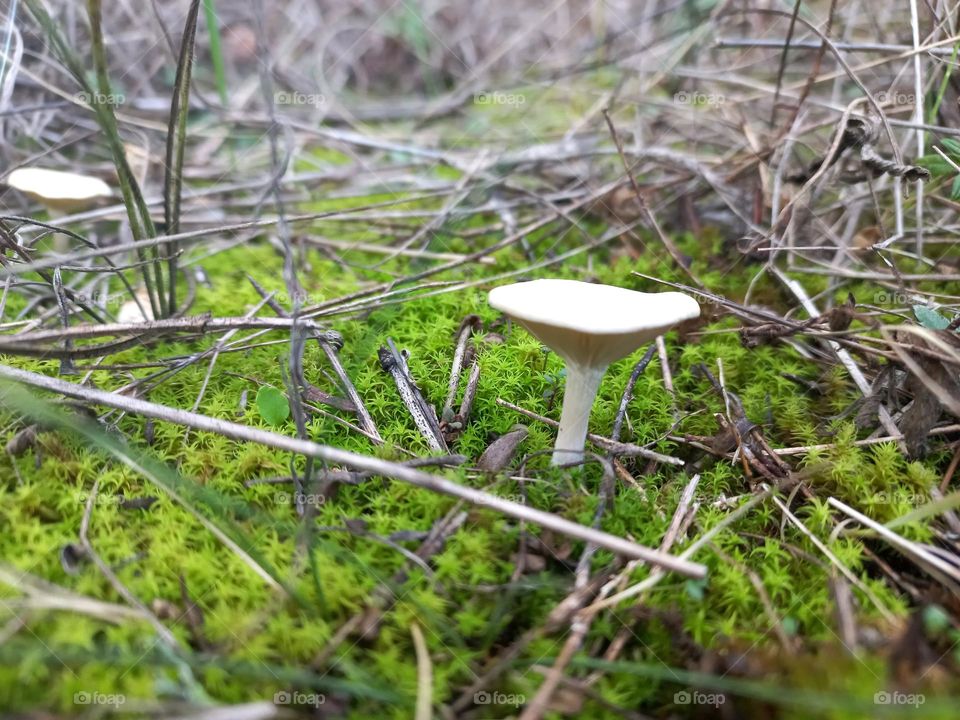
(470, 607)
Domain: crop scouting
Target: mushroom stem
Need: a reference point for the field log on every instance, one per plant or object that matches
(583, 381)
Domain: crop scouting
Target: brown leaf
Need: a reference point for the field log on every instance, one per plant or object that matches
(550, 546)
(193, 616)
(164, 609)
(22, 441)
(620, 205)
(502, 451)
(840, 317)
(867, 238)
(532, 563)
(934, 388)
(566, 701)
(912, 656)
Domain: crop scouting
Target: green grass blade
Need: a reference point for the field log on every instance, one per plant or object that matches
(216, 51)
(942, 89)
(176, 141)
(13, 653)
(141, 224)
(132, 194)
(931, 509)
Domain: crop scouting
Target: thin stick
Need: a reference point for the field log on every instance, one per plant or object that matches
(843, 355)
(393, 470)
(628, 392)
(329, 345)
(162, 631)
(468, 327)
(665, 366)
(43, 595)
(821, 546)
(645, 209)
(918, 117)
(195, 323)
(578, 632)
(781, 43)
(422, 412)
(946, 573)
(657, 575)
(803, 449)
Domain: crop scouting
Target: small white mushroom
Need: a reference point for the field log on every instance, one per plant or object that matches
(589, 326)
(62, 192)
(136, 311)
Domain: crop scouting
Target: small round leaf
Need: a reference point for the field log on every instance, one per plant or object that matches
(273, 405)
(930, 318)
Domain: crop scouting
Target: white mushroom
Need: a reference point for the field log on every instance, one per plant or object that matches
(63, 192)
(136, 311)
(589, 326)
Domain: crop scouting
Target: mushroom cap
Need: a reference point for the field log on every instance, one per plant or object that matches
(58, 190)
(589, 324)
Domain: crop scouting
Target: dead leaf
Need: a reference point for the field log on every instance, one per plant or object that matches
(502, 451)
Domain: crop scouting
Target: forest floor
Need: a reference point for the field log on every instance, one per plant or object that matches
(153, 568)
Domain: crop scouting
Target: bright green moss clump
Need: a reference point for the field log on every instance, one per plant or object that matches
(254, 642)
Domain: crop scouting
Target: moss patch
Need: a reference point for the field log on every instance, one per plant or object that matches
(255, 643)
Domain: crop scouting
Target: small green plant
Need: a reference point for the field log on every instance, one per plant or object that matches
(945, 166)
(930, 318)
(273, 405)
(216, 51)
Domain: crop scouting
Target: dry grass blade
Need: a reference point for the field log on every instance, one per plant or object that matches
(947, 573)
(42, 595)
(424, 675)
